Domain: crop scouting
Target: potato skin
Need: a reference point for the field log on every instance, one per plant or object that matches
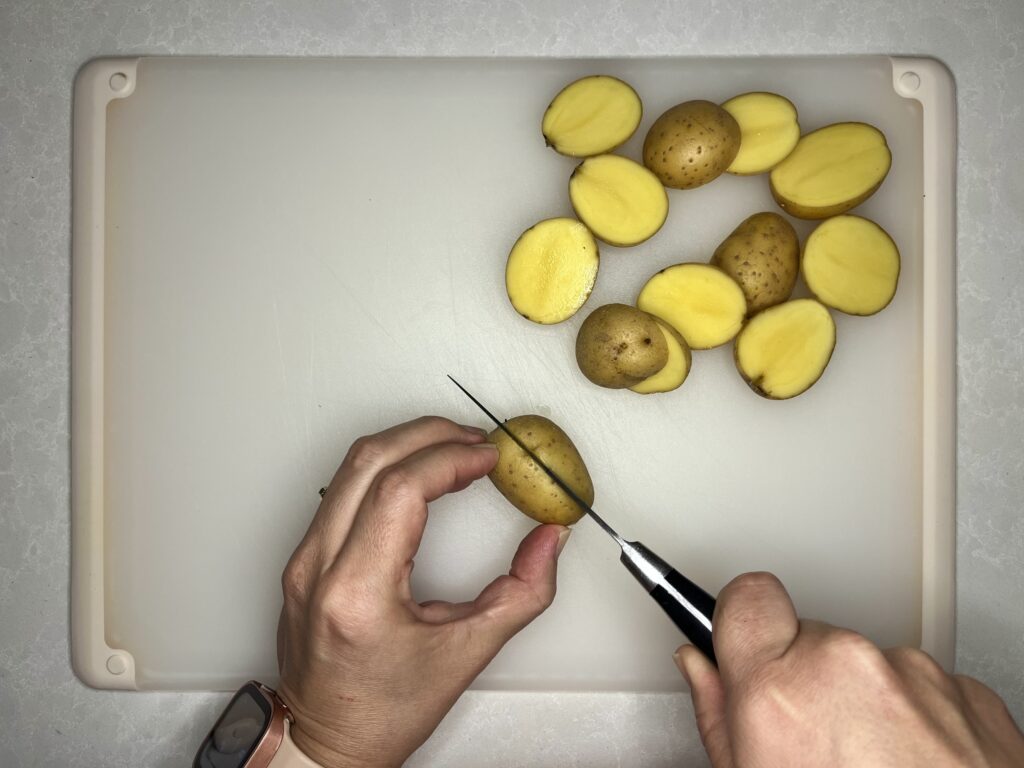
(763, 255)
(526, 485)
(619, 346)
(691, 144)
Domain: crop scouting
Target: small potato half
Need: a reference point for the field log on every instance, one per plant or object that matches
(831, 170)
(520, 480)
(675, 371)
(783, 350)
(619, 346)
(691, 144)
(700, 301)
(769, 130)
(551, 270)
(591, 116)
(622, 202)
(763, 255)
(851, 264)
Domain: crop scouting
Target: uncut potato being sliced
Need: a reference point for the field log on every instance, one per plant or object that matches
(769, 129)
(521, 480)
(591, 116)
(551, 270)
(700, 301)
(674, 372)
(783, 350)
(851, 264)
(831, 170)
(621, 202)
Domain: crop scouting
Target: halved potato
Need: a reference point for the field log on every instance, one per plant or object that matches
(700, 301)
(851, 264)
(551, 270)
(591, 116)
(783, 350)
(622, 202)
(769, 129)
(618, 346)
(675, 371)
(831, 170)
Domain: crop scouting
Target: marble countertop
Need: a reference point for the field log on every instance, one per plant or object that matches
(48, 718)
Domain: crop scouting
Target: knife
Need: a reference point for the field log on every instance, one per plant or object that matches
(689, 606)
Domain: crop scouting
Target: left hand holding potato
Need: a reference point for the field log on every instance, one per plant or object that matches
(367, 671)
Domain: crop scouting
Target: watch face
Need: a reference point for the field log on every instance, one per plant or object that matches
(235, 736)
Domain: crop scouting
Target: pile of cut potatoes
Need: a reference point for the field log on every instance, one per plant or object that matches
(742, 294)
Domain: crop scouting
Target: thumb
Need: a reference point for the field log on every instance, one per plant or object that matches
(708, 703)
(512, 601)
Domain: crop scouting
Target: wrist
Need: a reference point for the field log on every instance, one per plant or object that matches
(331, 756)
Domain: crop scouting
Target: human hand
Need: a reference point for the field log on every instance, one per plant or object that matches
(367, 671)
(801, 693)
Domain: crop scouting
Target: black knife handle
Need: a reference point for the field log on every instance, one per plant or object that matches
(690, 609)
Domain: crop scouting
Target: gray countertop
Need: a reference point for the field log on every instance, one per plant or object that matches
(48, 718)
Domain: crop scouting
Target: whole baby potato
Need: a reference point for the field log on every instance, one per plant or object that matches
(763, 255)
(691, 144)
(619, 346)
(520, 480)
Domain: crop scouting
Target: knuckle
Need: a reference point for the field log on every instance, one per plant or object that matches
(366, 453)
(915, 660)
(394, 484)
(346, 613)
(295, 581)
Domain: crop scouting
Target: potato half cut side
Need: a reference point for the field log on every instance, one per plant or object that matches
(783, 350)
(769, 129)
(591, 116)
(622, 202)
(831, 170)
(703, 303)
(551, 270)
(675, 371)
(851, 264)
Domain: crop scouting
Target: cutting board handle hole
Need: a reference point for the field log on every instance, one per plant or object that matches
(118, 82)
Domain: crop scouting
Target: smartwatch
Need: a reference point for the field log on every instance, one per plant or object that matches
(253, 732)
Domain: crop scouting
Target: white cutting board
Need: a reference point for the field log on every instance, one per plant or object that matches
(274, 257)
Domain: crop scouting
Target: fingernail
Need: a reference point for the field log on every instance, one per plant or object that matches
(487, 446)
(563, 537)
(474, 430)
(680, 661)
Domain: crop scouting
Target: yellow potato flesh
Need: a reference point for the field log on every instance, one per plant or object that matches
(622, 202)
(551, 270)
(591, 116)
(783, 350)
(851, 264)
(831, 170)
(703, 303)
(768, 131)
(674, 372)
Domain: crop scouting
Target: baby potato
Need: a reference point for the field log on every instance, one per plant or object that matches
(676, 369)
(591, 116)
(520, 480)
(691, 144)
(618, 199)
(783, 351)
(700, 301)
(551, 270)
(831, 170)
(768, 131)
(763, 255)
(619, 346)
(851, 264)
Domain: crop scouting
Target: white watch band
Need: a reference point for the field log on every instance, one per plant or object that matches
(290, 756)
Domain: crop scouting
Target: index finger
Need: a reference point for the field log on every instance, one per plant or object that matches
(389, 524)
(754, 623)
